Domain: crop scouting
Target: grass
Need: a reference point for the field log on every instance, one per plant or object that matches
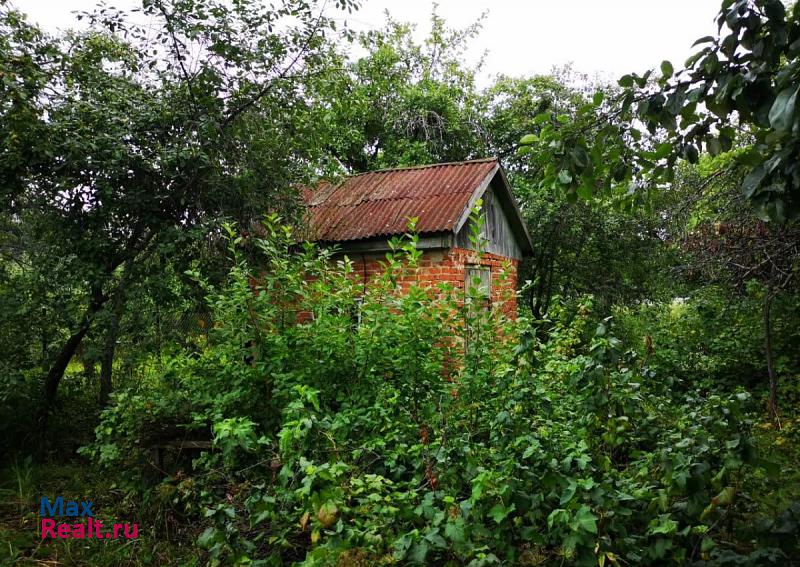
(21, 486)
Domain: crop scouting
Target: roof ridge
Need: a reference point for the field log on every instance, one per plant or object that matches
(425, 166)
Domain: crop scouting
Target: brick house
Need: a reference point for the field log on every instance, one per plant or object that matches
(360, 214)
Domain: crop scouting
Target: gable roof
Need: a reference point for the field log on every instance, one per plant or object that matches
(379, 203)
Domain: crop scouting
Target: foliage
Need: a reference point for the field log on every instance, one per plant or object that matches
(119, 144)
(23, 482)
(405, 102)
(745, 77)
(698, 338)
(358, 438)
(397, 423)
(580, 246)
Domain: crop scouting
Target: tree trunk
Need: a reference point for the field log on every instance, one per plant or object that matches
(158, 332)
(88, 364)
(112, 334)
(107, 362)
(59, 366)
(772, 405)
(98, 299)
(44, 339)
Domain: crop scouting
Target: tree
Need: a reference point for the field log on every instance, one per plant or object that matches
(727, 245)
(739, 90)
(117, 141)
(405, 103)
(744, 79)
(579, 247)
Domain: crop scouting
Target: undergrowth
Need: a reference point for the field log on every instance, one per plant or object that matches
(390, 425)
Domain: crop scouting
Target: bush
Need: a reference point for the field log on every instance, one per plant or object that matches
(714, 341)
(358, 426)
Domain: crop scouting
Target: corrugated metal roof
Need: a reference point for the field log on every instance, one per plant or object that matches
(380, 203)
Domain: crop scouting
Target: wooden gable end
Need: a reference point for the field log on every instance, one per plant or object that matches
(498, 234)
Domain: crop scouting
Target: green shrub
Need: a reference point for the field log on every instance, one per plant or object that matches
(358, 426)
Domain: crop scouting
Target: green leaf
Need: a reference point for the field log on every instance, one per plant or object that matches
(557, 516)
(579, 157)
(753, 180)
(705, 39)
(781, 115)
(585, 191)
(775, 11)
(707, 545)
(641, 82)
(771, 468)
(454, 532)
(663, 525)
(564, 177)
(499, 512)
(661, 546)
(691, 154)
(436, 540)
(567, 495)
(529, 139)
(620, 172)
(725, 496)
(598, 98)
(691, 60)
(663, 150)
(675, 102)
(584, 520)
(207, 538)
(418, 552)
(667, 70)
(531, 449)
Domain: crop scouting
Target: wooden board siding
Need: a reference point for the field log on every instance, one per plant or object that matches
(500, 239)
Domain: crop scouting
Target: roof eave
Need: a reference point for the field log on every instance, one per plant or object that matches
(426, 241)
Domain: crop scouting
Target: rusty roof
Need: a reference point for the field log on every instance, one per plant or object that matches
(379, 203)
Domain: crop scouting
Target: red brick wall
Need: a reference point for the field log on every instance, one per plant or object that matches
(450, 266)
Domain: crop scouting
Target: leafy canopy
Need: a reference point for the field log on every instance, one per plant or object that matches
(741, 85)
